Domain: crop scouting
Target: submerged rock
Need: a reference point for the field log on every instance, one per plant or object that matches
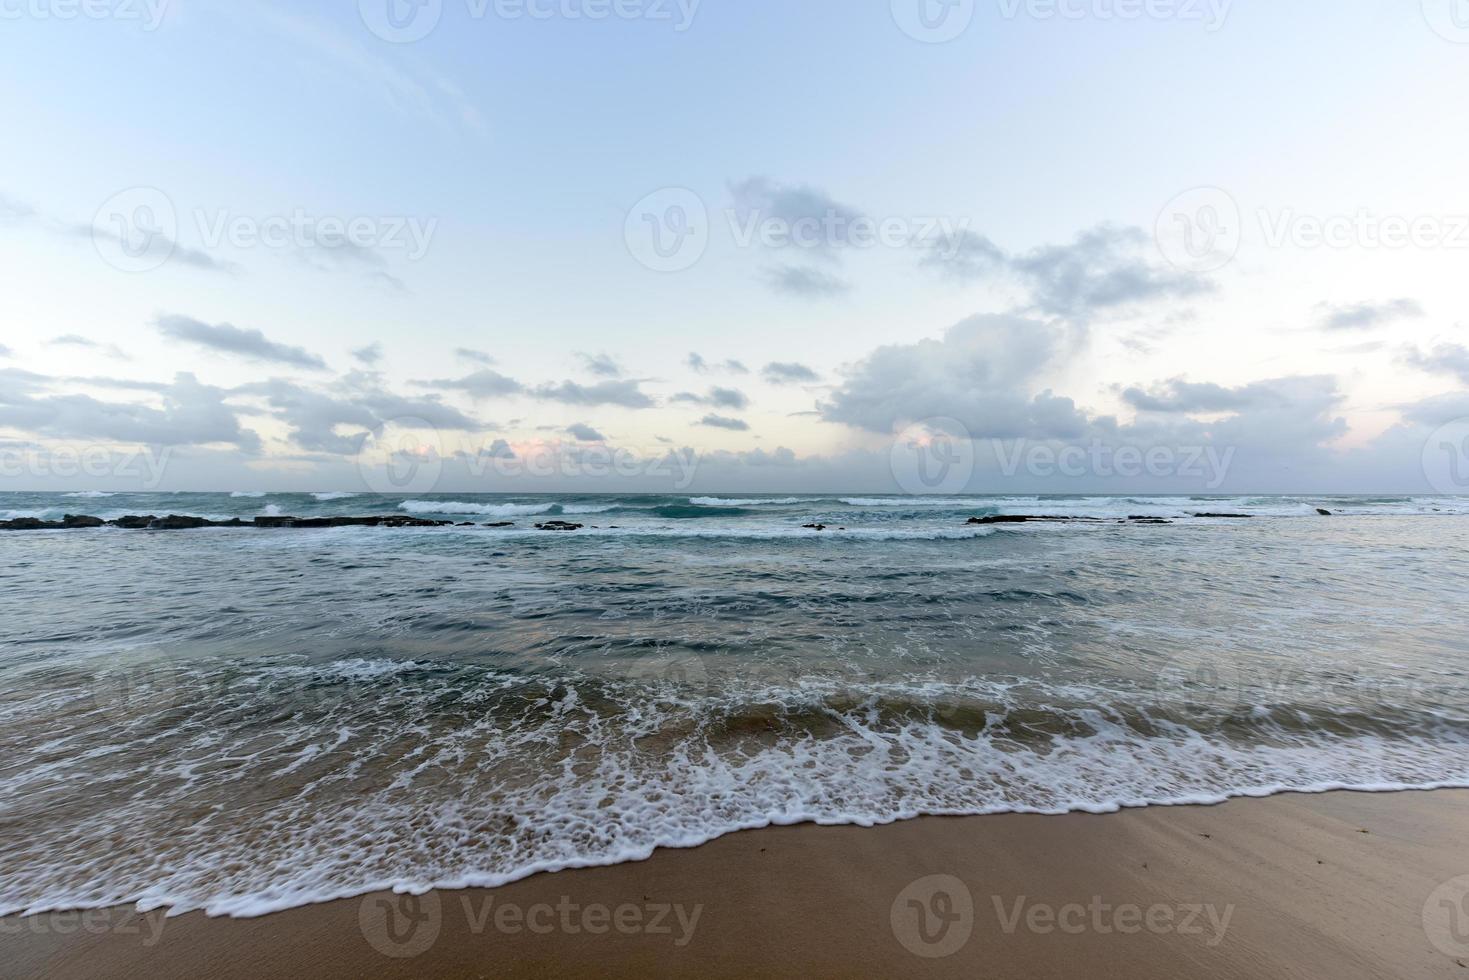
(1236, 516)
(558, 526)
(1323, 511)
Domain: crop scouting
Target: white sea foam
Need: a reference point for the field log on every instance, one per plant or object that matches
(334, 495)
(445, 817)
(251, 494)
(89, 494)
(750, 501)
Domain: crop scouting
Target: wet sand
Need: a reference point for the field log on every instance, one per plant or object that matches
(1339, 885)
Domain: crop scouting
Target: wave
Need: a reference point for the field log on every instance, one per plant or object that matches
(89, 494)
(741, 751)
(750, 502)
(250, 494)
(333, 495)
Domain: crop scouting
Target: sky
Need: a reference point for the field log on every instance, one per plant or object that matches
(887, 245)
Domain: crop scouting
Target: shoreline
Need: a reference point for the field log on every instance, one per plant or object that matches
(1337, 883)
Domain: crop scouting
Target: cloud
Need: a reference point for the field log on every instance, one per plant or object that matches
(1451, 359)
(370, 354)
(358, 401)
(188, 413)
(226, 338)
(601, 364)
(624, 393)
(1180, 396)
(702, 366)
(980, 373)
(4, 351)
(1105, 268)
(475, 356)
(804, 281)
(158, 244)
(805, 217)
(965, 257)
(76, 340)
(788, 372)
(717, 397)
(585, 433)
(1361, 316)
(481, 384)
(725, 422)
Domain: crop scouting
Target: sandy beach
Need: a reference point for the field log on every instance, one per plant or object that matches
(1337, 885)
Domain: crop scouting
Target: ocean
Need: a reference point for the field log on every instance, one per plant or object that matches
(243, 720)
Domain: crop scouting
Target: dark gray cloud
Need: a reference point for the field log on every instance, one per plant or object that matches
(1450, 359)
(979, 373)
(226, 338)
(788, 372)
(804, 281)
(602, 365)
(716, 397)
(369, 355)
(725, 422)
(1362, 316)
(585, 433)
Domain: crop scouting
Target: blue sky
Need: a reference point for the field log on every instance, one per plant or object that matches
(1030, 173)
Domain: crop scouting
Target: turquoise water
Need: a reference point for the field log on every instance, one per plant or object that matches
(243, 720)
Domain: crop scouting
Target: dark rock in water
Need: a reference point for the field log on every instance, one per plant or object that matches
(275, 522)
(815, 527)
(559, 526)
(1237, 516)
(81, 520)
(1323, 511)
(30, 524)
(465, 524)
(133, 523)
(1145, 520)
(177, 522)
(501, 524)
